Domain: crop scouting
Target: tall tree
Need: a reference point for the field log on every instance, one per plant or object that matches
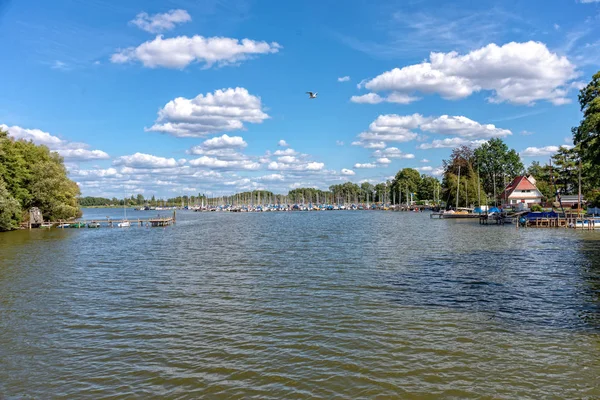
(586, 136)
(496, 165)
(467, 186)
(427, 189)
(406, 180)
(566, 170)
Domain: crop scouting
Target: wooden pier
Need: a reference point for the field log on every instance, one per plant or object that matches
(111, 223)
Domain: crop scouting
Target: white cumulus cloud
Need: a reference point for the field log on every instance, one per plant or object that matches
(282, 143)
(70, 151)
(223, 110)
(179, 52)
(160, 22)
(366, 165)
(542, 151)
(344, 79)
(347, 172)
(141, 160)
(519, 73)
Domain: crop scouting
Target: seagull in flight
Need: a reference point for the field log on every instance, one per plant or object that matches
(312, 95)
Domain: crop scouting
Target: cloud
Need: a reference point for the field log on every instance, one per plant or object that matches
(224, 142)
(160, 22)
(339, 143)
(70, 151)
(282, 143)
(141, 160)
(526, 133)
(541, 151)
(556, 27)
(347, 172)
(463, 127)
(589, 1)
(367, 165)
(59, 65)
(384, 160)
(223, 110)
(179, 52)
(518, 73)
(344, 79)
(438, 171)
(373, 98)
(212, 162)
(82, 154)
(392, 128)
(397, 128)
(425, 168)
(286, 152)
(272, 177)
(369, 144)
(424, 160)
(450, 143)
(369, 98)
(392, 152)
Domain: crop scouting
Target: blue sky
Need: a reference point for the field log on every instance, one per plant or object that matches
(180, 97)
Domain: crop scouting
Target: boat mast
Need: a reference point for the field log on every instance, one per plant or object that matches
(579, 194)
(457, 187)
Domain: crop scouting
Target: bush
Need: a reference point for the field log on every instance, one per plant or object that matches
(536, 208)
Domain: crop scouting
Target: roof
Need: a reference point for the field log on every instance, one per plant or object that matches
(519, 183)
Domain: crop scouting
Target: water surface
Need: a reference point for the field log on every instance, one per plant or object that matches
(300, 305)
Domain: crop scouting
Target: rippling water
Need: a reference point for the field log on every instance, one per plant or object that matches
(300, 305)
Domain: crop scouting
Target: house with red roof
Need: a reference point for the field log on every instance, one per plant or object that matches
(522, 189)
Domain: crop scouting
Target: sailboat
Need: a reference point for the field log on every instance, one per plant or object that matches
(125, 223)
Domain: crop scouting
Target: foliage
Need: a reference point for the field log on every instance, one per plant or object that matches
(10, 210)
(407, 180)
(496, 164)
(428, 189)
(467, 185)
(566, 163)
(586, 136)
(536, 208)
(34, 177)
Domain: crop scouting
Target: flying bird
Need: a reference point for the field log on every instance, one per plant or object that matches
(312, 95)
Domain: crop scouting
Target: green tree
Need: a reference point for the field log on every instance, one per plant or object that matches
(427, 189)
(566, 170)
(406, 180)
(468, 185)
(10, 210)
(140, 200)
(586, 136)
(496, 164)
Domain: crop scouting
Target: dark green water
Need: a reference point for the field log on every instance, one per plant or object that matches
(300, 305)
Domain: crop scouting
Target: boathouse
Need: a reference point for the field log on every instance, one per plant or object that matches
(522, 189)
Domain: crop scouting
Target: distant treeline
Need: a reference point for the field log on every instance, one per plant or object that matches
(33, 176)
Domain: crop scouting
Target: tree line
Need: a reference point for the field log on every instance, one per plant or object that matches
(33, 176)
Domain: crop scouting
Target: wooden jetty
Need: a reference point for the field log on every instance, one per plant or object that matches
(111, 223)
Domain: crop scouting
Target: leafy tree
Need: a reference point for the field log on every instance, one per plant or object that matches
(34, 177)
(427, 190)
(10, 210)
(586, 136)
(566, 171)
(468, 185)
(140, 200)
(496, 164)
(407, 179)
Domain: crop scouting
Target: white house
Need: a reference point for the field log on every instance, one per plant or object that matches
(522, 189)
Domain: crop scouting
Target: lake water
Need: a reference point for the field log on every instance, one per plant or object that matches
(326, 305)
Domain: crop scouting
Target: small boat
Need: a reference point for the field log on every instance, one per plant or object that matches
(65, 225)
(77, 225)
(46, 225)
(94, 225)
(124, 224)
